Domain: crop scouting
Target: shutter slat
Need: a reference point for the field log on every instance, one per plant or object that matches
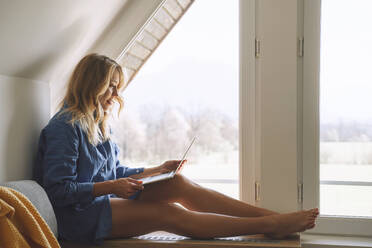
(139, 51)
(184, 3)
(154, 32)
(173, 8)
(164, 18)
(147, 40)
(131, 61)
(156, 29)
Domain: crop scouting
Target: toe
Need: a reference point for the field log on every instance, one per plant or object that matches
(310, 225)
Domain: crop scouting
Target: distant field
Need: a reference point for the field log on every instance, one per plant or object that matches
(345, 153)
(345, 162)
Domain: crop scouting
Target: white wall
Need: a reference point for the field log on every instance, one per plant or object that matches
(24, 108)
(39, 37)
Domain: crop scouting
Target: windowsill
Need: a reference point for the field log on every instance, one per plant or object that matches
(327, 241)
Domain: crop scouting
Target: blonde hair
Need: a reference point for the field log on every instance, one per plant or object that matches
(88, 82)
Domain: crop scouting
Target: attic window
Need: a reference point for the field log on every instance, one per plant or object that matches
(151, 35)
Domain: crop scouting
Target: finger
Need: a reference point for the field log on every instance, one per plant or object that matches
(178, 163)
(182, 161)
(182, 164)
(136, 187)
(174, 162)
(132, 180)
(180, 168)
(139, 187)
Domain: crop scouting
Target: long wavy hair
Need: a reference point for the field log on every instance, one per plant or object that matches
(88, 82)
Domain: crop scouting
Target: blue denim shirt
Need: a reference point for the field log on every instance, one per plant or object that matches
(67, 166)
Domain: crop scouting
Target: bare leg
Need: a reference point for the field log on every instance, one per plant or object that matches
(132, 218)
(197, 198)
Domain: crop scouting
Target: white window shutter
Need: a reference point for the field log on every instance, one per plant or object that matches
(151, 35)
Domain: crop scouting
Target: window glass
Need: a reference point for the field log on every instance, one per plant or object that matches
(346, 108)
(188, 87)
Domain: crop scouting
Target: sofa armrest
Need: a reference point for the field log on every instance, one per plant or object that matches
(37, 195)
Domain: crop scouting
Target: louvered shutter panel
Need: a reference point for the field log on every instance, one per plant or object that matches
(151, 35)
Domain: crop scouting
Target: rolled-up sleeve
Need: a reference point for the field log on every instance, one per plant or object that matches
(124, 171)
(60, 166)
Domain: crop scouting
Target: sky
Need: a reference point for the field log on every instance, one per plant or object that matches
(196, 65)
(346, 67)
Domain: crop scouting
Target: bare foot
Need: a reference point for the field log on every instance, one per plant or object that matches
(287, 224)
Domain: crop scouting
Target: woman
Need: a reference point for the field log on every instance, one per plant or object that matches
(95, 197)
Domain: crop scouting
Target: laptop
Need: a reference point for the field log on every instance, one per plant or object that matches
(169, 175)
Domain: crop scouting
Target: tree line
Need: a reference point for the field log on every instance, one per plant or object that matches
(155, 134)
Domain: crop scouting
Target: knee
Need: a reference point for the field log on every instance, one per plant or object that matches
(182, 185)
(182, 181)
(179, 179)
(183, 188)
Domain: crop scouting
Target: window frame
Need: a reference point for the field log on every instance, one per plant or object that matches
(248, 128)
(339, 225)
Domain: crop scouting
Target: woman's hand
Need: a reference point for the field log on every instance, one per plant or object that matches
(171, 165)
(125, 187)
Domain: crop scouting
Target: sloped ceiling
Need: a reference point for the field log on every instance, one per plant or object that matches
(43, 39)
(38, 36)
